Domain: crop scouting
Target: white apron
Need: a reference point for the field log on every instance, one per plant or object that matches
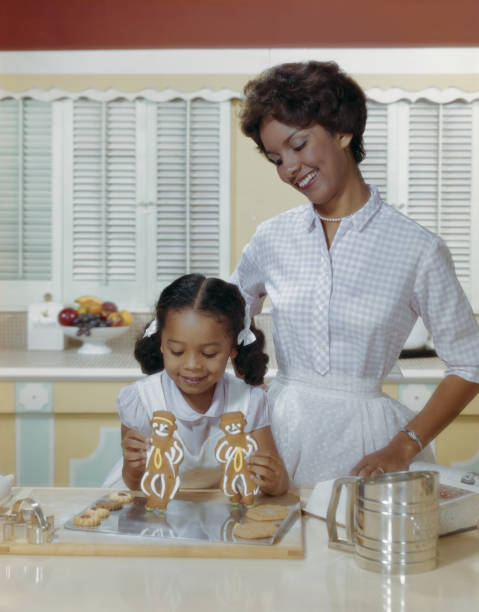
(200, 471)
(323, 425)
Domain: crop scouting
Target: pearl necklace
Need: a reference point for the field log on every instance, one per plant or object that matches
(334, 218)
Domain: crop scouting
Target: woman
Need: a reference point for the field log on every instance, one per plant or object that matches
(347, 276)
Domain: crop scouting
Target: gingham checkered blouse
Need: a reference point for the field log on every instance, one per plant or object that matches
(349, 310)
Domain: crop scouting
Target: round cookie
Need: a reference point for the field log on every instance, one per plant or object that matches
(88, 518)
(123, 497)
(253, 530)
(101, 512)
(268, 512)
(109, 504)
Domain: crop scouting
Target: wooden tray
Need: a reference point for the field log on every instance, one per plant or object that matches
(63, 503)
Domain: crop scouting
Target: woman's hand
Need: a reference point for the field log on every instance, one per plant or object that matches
(133, 446)
(394, 457)
(268, 471)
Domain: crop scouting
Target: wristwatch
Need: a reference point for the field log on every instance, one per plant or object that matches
(413, 435)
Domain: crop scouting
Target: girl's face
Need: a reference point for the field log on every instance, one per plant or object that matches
(195, 350)
(311, 160)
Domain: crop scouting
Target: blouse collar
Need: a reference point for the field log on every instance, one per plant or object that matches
(182, 410)
(359, 219)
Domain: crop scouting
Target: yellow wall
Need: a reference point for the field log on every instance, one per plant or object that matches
(460, 441)
(7, 428)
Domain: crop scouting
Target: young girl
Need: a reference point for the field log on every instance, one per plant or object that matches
(200, 323)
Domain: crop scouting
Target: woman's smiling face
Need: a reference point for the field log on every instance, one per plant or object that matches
(311, 159)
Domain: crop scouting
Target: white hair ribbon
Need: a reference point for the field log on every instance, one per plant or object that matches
(246, 336)
(151, 329)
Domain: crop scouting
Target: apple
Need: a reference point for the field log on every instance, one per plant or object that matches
(67, 316)
(108, 307)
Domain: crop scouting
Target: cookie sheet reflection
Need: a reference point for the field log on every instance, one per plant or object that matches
(208, 521)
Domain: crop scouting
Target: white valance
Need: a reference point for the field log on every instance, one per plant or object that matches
(153, 95)
(431, 94)
(384, 96)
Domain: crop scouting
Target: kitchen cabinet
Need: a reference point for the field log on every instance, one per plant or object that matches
(59, 424)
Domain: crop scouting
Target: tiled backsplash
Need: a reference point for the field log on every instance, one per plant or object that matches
(13, 332)
(13, 329)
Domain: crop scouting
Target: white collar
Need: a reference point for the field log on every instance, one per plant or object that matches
(180, 407)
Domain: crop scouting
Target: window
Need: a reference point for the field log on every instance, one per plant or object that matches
(421, 154)
(117, 194)
(137, 191)
(25, 197)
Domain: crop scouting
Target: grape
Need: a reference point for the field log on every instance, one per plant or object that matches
(85, 322)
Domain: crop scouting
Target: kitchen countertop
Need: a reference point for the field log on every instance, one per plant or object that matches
(22, 364)
(325, 580)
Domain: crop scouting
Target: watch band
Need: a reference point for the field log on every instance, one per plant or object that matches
(413, 435)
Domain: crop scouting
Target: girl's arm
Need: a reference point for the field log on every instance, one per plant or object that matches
(450, 397)
(133, 446)
(266, 465)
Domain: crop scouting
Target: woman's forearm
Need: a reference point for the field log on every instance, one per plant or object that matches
(451, 396)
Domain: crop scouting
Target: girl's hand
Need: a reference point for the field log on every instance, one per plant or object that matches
(268, 471)
(133, 445)
(266, 465)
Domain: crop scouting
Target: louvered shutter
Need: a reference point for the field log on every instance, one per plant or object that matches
(205, 187)
(440, 176)
(25, 190)
(456, 186)
(172, 190)
(374, 167)
(103, 226)
(140, 195)
(188, 188)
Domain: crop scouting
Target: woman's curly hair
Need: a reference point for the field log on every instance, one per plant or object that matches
(303, 94)
(211, 296)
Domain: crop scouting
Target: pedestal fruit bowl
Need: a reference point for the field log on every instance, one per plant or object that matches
(95, 343)
(94, 322)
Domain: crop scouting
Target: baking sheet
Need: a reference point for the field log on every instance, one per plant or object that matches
(188, 517)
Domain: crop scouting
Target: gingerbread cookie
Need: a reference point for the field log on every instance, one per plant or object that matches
(268, 512)
(161, 481)
(122, 497)
(232, 451)
(253, 530)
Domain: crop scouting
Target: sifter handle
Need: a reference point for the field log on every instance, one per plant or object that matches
(334, 541)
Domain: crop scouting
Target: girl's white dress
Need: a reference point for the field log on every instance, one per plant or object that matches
(199, 433)
(340, 319)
